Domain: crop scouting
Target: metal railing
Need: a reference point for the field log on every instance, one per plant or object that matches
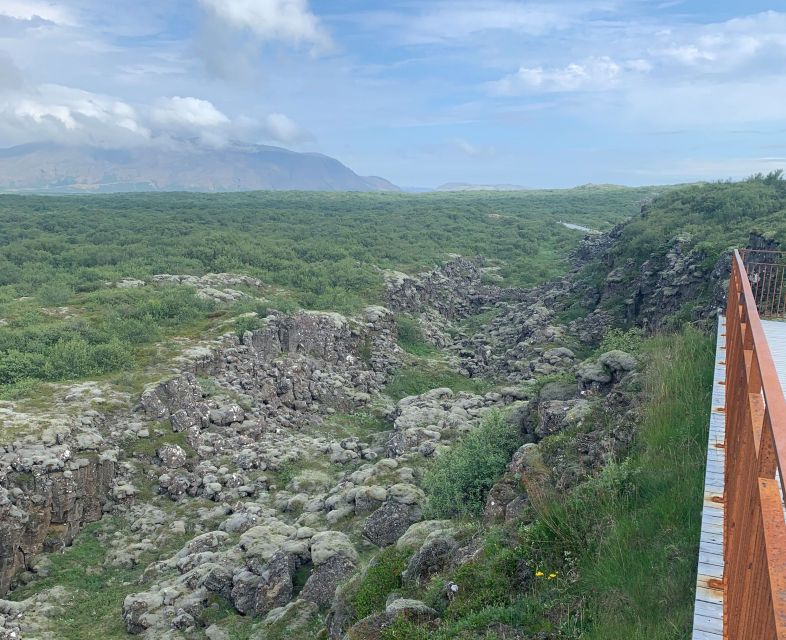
(754, 527)
(767, 276)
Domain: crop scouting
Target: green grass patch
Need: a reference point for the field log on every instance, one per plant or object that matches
(359, 424)
(382, 576)
(634, 529)
(411, 339)
(416, 379)
(93, 607)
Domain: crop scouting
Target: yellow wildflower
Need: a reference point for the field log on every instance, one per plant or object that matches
(539, 574)
(552, 576)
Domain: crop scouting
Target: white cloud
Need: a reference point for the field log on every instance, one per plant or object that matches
(726, 46)
(442, 21)
(281, 128)
(188, 113)
(32, 9)
(289, 21)
(66, 115)
(593, 74)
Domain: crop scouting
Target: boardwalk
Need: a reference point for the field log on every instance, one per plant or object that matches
(708, 611)
(775, 330)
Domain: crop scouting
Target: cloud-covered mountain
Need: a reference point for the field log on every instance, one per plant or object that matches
(80, 169)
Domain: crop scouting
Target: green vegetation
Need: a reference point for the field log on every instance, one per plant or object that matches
(410, 337)
(461, 478)
(630, 341)
(360, 424)
(639, 573)
(381, 577)
(60, 321)
(717, 216)
(416, 379)
(615, 558)
(95, 593)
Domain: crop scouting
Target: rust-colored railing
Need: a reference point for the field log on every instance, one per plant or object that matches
(754, 527)
(767, 276)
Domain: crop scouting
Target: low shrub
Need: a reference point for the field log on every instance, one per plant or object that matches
(382, 576)
(461, 478)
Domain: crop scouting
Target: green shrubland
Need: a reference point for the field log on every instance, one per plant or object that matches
(59, 320)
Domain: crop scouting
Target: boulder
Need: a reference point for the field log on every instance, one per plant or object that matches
(434, 556)
(388, 523)
(326, 544)
(325, 578)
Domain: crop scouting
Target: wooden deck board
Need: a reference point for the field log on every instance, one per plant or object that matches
(708, 605)
(775, 330)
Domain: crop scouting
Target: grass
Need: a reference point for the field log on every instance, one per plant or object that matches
(360, 424)
(621, 547)
(382, 576)
(640, 582)
(92, 610)
(410, 337)
(416, 379)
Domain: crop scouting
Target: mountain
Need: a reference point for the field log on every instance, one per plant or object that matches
(69, 169)
(464, 186)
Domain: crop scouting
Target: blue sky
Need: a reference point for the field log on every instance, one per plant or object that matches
(542, 94)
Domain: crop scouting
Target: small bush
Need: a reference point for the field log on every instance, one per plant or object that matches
(382, 576)
(630, 341)
(247, 323)
(461, 478)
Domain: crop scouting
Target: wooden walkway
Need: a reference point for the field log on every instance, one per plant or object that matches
(775, 330)
(708, 611)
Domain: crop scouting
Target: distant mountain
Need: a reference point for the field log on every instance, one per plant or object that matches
(463, 186)
(68, 169)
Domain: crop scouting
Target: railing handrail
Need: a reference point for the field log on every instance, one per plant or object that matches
(754, 527)
(770, 383)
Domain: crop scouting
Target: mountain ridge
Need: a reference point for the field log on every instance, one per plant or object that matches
(55, 168)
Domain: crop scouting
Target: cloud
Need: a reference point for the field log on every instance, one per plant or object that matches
(287, 21)
(67, 115)
(10, 74)
(470, 149)
(756, 40)
(592, 74)
(188, 113)
(63, 114)
(282, 128)
(444, 21)
(30, 10)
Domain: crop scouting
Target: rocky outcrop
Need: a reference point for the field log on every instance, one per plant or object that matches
(454, 290)
(50, 487)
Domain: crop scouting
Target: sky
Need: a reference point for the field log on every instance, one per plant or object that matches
(539, 94)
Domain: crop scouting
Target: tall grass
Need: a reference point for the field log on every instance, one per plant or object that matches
(634, 530)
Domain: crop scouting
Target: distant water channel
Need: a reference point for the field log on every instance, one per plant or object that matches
(578, 227)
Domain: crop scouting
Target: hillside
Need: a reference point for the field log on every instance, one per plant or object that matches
(361, 416)
(61, 169)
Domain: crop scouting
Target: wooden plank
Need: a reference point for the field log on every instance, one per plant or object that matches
(708, 607)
